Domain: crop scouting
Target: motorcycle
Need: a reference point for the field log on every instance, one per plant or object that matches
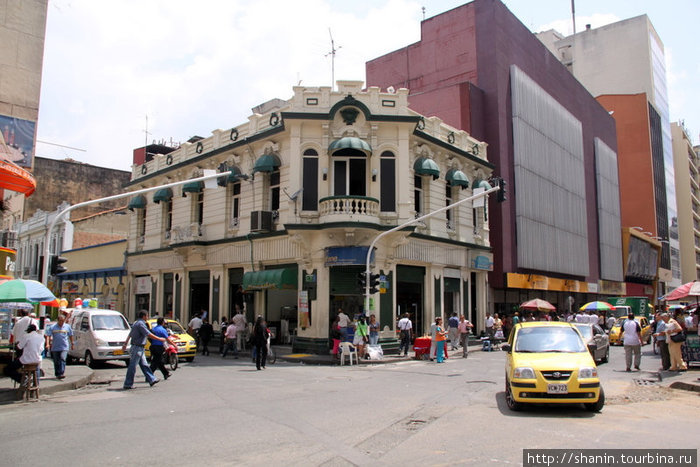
(171, 358)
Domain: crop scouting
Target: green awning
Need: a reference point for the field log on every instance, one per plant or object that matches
(137, 202)
(164, 194)
(349, 142)
(457, 178)
(426, 166)
(267, 163)
(192, 187)
(270, 279)
(233, 177)
(479, 183)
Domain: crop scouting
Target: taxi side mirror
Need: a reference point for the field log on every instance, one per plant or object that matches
(506, 347)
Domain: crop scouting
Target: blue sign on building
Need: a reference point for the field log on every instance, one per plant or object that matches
(347, 256)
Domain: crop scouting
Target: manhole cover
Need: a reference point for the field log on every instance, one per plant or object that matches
(644, 382)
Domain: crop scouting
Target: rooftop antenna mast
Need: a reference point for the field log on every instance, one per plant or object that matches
(573, 15)
(332, 54)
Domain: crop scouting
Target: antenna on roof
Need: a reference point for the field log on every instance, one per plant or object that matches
(332, 54)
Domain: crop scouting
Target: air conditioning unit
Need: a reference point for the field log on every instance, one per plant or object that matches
(261, 221)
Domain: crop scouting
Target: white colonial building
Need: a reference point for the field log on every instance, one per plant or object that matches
(315, 180)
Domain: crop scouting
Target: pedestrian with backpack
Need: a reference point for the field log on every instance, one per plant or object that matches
(632, 340)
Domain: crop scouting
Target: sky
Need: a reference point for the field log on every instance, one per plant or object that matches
(122, 73)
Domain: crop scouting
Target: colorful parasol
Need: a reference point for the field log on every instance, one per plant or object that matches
(689, 289)
(15, 178)
(23, 290)
(597, 306)
(537, 304)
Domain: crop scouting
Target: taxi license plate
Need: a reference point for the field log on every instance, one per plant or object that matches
(557, 389)
(118, 352)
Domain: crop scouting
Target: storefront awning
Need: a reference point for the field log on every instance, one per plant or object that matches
(192, 187)
(234, 177)
(164, 194)
(426, 166)
(457, 178)
(137, 202)
(15, 178)
(267, 163)
(479, 183)
(270, 279)
(350, 142)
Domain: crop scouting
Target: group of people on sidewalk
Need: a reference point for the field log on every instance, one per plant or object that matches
(457, 329)
(364, 331)
(31, 344)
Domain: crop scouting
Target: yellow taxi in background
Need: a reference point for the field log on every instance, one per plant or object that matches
(616, 331)
(548, 363)
(186, 345)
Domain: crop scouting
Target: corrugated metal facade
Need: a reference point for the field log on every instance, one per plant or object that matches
(550, 211)
(609, 235)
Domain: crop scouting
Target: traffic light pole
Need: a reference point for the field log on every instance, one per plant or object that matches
(411, 222)
(61, 214)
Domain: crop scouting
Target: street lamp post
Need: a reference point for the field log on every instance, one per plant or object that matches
(406, 224)
(47, 239)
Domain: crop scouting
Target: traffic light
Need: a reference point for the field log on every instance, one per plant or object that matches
(503, 192)
(362, 281)
(56, 265)
(373, 283)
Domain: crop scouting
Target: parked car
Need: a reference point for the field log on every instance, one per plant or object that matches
(548, 362)
(596, 341)
(186, 344)
(616, 331)
(98, 336)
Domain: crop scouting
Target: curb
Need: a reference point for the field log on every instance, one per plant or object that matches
(14, 395)
(685, 386)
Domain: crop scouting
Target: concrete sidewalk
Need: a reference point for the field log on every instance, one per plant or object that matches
(76, 376)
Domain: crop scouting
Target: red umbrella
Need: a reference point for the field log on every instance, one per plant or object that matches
(537, 304)
(689, 289)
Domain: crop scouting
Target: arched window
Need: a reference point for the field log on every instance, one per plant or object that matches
(387, 180)
(309, 197)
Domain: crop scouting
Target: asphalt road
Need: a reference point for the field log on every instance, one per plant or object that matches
(218, 412)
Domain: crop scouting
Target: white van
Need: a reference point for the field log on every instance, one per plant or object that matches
(98, 335)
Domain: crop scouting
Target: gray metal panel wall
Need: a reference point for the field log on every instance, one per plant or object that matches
(609, 230)
(550, 208)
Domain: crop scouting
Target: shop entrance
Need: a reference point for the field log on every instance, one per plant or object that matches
(410, 284)
(345, 292)
(199, 294)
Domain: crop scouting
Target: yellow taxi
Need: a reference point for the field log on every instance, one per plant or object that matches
(616, 331)
(548, 363)
(186, 345)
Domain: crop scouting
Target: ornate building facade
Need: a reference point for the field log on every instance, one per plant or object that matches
(313, 181)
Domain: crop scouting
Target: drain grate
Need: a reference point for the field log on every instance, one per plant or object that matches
(645, 382)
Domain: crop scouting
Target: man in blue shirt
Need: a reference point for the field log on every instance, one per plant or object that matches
(158, 348)
(453, 331)
(59, 338)
(137, 336)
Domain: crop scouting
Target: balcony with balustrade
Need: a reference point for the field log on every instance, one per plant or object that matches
(348, 208)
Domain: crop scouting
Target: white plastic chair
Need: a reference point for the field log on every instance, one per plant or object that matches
(346, 348)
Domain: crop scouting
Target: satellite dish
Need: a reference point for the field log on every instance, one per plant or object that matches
(296, 194)
(391, 90)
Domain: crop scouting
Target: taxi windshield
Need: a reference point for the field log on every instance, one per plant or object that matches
(548, 339)
(174, 326)
(586, 330)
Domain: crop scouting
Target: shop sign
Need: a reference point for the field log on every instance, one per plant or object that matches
(142, 285)
(7, 263)
(303, 307)
(347, 256)
(612, 288)
(538, 282)
(481, 261)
